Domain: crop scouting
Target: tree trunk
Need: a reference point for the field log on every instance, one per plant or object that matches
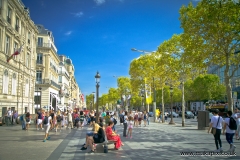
(183, 106)
(163, 115)
(228, 85)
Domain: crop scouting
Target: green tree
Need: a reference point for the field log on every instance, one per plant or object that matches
(211, 34)
(208, 87)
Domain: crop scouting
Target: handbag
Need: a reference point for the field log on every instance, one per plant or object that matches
(213, 131)
(95, 136)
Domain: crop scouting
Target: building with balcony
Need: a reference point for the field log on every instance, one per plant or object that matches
(47, 71)
(63, 81)
(72, 95)
(17, 77)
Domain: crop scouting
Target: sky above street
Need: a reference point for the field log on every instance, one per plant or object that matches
(98, 34)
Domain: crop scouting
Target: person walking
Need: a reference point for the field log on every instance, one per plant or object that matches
(237, 119)
(23, 120)
(81, 119)
(125, 124)
(145, 117)
(216, 126)
(28, 120)
(130, 126)
(9, 117)
(69, 119)
(39, 118)
(229, 132)
(59, 121)
(47, 124)
(15, 116)
(136, 119)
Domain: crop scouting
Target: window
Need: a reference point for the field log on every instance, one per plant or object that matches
(39, 77)
(40, 42)
(60, 79)
(7, 45)
(39, 58)
(26, 88)
(15, 49)
(5, 82)
(14, 84)
(17, 24)
(27, 59)
(29, 37)
(9, 13)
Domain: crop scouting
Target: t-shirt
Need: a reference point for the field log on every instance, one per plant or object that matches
(69, 117)
(9, 113)
(214, 121)
(39, 115)
(49, 118)
(125, 119)
(228, 130)
(237, 119)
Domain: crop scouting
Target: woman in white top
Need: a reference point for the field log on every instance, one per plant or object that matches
(229, 133)
(216, 122)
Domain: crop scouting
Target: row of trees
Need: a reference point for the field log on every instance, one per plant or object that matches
(210, 37)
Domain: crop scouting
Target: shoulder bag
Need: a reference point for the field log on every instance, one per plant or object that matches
(213, 131)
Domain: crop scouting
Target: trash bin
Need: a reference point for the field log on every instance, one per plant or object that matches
(203, 120)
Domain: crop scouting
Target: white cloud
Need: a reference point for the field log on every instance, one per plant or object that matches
(68, 33)
(79, 14)
(99, 2)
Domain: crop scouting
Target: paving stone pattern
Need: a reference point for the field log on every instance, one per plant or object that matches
(156, 141)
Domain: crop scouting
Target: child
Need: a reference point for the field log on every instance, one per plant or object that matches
(130, 126)
(77, 121)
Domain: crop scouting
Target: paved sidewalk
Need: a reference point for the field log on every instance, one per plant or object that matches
(156, 141)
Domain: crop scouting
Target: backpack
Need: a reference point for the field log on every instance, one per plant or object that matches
(114, 121)
(21, 118)
(81, 118)
(27, 119)
(232, 124)
(45, 121)
(59, 118)
(121, 119)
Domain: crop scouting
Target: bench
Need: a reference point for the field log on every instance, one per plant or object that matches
(105, 143)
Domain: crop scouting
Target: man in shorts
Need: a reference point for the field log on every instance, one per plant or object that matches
(47, 121)
(39, 119)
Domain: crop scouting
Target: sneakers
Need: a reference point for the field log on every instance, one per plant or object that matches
(232, 149)
(42, 128)
(48, 138)
(44, 140)
(83, 148)
(84, 144)
(219, 150)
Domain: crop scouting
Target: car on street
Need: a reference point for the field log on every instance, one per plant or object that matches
(174, 114)
(150, 114)
(188, 114)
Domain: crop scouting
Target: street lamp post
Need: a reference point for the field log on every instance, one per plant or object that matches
(97, 78)
(93, 100)
(171, 95)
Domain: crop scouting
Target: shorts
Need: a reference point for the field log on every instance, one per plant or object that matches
(59, 123)
(47, 127)
(139, 119)
(130, 127)
(90, 133)
(39, 121)
(92, 119)
(28, 122)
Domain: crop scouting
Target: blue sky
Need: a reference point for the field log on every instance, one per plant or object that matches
(98, 34)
